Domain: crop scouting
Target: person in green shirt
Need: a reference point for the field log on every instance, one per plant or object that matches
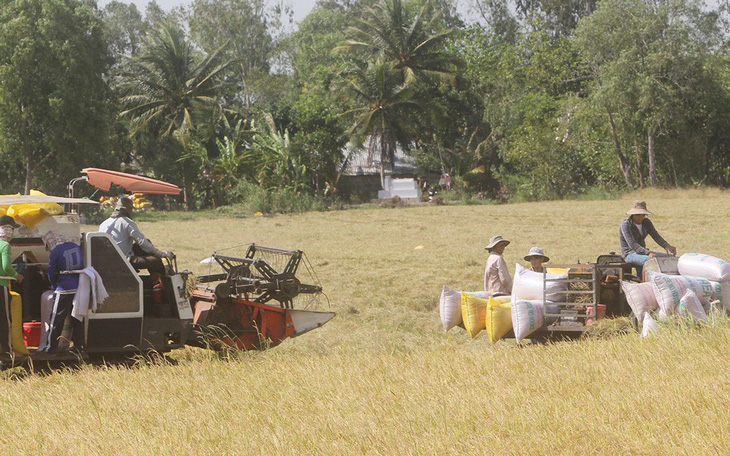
(7, 228)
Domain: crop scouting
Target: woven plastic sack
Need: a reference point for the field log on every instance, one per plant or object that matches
(450, 306)
(640, 297)
(649, 327)
(669, 289)
(689, 305)
(474, 313)
(528, 285)
(499, 318)
(701, 265)
(527, 317)
(721, 292)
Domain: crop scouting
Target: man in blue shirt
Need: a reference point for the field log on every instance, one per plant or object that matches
(65, 256)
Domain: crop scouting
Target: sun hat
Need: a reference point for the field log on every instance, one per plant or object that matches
(125, 202)
(8, 220)
(536, 252)
(639, 207)
(494, 240)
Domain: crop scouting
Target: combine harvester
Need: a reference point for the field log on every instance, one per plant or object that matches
(256, 302)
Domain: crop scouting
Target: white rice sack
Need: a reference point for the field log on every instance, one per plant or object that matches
(669, 289)
(527, 317)
(690, 305)
(450, 306)
(528, 285)
(701, 265)
(640, 297)
(649, 327)
(721, 292)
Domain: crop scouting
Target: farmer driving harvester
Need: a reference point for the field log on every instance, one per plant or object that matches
(633, 232)
(140, 251)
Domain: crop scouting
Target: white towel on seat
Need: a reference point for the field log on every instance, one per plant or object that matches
(90, 293)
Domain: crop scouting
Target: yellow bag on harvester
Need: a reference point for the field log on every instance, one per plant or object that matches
(31, 215)
(16, 332)
(474, 313)
(499, 317)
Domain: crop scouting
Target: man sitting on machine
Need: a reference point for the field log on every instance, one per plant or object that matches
(140, 251)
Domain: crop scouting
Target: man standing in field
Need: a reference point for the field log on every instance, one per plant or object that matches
(633, 234)
(496, 276)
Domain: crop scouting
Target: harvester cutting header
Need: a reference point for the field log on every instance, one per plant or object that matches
(257, 299)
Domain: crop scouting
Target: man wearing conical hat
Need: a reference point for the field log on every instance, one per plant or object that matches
(496, 275)
(633, 237)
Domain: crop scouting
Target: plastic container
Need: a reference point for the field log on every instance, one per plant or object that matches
(32, 333)
(601, 313)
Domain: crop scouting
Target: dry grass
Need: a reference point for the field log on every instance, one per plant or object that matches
(382, 378)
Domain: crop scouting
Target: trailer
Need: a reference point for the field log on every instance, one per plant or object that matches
(592, 292)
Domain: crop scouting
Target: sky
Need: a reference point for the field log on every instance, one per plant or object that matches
(301, 7)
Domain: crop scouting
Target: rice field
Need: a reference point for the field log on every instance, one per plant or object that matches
(383, 377)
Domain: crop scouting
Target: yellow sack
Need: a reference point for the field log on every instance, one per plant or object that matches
(557, 270)
(474, 313)
(499, 318)
(31, 215)
(16, 332)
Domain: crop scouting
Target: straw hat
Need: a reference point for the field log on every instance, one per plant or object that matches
(639, 207)
(536, 252)
(494, 240)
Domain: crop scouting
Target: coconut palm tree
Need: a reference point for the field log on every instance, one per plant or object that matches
(413, 41)
(385, 111)
(168, 86)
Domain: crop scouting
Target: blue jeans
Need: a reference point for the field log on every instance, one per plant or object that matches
(639, 260)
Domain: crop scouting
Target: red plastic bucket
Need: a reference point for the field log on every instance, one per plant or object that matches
(601, 313)
(32, 333)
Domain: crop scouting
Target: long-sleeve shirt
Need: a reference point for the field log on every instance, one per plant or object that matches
(126, 233)
(6, 263)
(496, 275)
(65, 257)
(634, 241)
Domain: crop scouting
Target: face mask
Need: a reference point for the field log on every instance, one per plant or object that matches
(7, 231)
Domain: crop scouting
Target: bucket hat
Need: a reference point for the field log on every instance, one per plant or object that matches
(8, 220)
(639, 207)
(536, 252)
(494, 240)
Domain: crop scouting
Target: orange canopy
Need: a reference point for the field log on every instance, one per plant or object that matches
(104, 178)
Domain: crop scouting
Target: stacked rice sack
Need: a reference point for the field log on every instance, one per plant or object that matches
(528, 307)
(523, 312)
(703, 279)
(476, 311)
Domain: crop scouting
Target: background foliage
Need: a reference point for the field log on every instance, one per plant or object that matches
(530, 100)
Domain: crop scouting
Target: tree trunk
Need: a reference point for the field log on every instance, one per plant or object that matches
(29, 168)
(639, 167)
(650, 151)
(189, 195)
(623, 160)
